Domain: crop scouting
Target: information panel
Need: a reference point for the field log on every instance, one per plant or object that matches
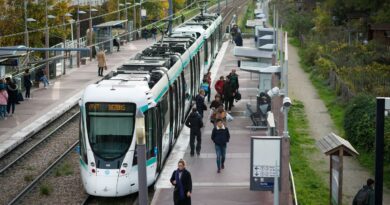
(265, 162)
(335, 179)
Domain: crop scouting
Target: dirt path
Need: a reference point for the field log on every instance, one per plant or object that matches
(320, 123)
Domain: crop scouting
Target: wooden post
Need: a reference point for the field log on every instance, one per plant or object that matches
(330, 179)
(341, 167)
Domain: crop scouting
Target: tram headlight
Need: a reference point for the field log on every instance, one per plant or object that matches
(125, 165)
(92, 164)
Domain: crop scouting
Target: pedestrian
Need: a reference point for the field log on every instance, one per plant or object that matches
(145, 34)
(233, 32)
(238, 39)
(233, 78)
(102, 64)
(181, 179)
(154, 33)
(206, 87)
(194, 122)
(183, 18)
(214, 106)
(12, 90)
(116, 43)
(27, 82)
(3, 99)
(220, 136)
(228, 95)
(208, 77)
(366, 195)
(199, 100)
(219, 86)
(42, 77)
(221, 114)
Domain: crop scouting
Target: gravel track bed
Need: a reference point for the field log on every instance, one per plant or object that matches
(20, 175)
(63, 185)
(11, 156)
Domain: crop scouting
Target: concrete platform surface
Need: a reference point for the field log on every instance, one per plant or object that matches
(231, 186)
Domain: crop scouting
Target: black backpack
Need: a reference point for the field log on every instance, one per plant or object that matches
(361, 198)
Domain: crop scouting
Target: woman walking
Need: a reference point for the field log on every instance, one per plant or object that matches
(27, 82)
(228, 95)
(3, 99)
(181, 179)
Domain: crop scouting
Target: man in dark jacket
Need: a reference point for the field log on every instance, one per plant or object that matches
(238, 39)
(220, 136)
(366, 195)
(194, 122)
(181, 179)
(199, 99)
(228, 95)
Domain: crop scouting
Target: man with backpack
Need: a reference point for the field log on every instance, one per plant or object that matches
(195, 123)
(366, 195)
(233, 79)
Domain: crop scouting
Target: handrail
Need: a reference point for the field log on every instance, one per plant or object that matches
(295, 199)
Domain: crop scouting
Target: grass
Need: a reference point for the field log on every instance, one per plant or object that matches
(64, 170)
(28, 178)
(309, 185)
(249, 14)
(336, 110)
(45, 190)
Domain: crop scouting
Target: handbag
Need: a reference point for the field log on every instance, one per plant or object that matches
(229, 117)
(237, 97)
(105, 67)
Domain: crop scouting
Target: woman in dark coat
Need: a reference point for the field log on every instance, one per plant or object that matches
(228, 94)
(27, 82)
(12, 90)
(181, 179)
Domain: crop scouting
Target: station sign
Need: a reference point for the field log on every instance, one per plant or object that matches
(265, 162)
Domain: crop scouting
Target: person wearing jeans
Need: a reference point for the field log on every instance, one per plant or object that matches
(220, 136)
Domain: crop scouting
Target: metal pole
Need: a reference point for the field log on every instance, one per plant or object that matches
(119, 11)
(170, 16)
(127, 20)
(78, 33)
(26, 37)
(379, 149)
(276, 187)
(90, 31)
(141, 155)
(64, 41)
(140, 14)
(134, 20)
(219, 7)
(47, 45)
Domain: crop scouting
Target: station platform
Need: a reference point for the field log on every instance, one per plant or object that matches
(231, 186)
(63, 93)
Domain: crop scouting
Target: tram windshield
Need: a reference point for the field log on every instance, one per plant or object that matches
(110, 128)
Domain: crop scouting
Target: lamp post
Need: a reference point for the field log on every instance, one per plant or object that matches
(90, 36)
(170, 16)
(382, 104)
(64, 40)
(78, 31)
(127, 20)
(135, 18)
(140, 14)
(119, 10)
(26, 34)
(141, 156)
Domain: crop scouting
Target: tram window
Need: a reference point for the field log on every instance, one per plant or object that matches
(110, 128)
(164, 112)
(187, 80)
(206, 50)
(83, 149)
(150, 132)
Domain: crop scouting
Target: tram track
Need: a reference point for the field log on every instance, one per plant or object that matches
(25, 166)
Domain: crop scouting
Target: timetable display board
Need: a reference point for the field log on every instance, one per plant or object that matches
(265, 162)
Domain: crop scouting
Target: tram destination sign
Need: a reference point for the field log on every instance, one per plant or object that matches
(265, 162)
(110, 107)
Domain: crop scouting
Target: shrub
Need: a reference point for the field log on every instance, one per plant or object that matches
(359, 122)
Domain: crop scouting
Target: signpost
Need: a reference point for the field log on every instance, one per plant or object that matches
(265, 162)
(336, 147)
